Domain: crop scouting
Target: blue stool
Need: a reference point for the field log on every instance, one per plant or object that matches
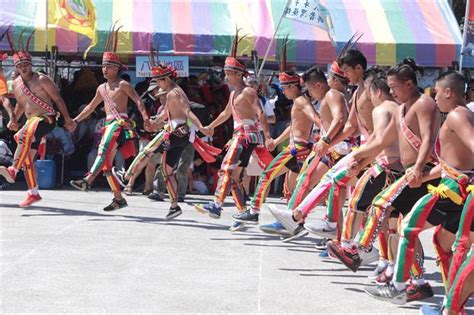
(46, 170)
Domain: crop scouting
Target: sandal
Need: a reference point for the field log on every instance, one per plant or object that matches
(80, 184)
(116, 204)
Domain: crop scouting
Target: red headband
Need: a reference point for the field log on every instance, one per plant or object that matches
(233, 64)
(21, 56)
(286, 79)
(336, 70)
(158, 72)
(111, 58)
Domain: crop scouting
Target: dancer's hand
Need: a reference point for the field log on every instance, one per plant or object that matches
(320, 148)
(270, 144)
(207, 131)
(353, 168)
(12, 125)
(414, 177)
(70, 125)
(147, 125)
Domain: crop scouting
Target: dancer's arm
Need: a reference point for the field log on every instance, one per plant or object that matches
(310, 112)
(223, 116)
(462, 125)
(13, 123)
(385, 133)
(130, 91)
(252, 95)
(89, 108)
(284, 135)
(20, 106)
(350, 128)
(428, 120)
(53, 92)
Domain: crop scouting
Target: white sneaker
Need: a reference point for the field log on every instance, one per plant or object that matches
(285, 217)
(369, 257)
(321, 228)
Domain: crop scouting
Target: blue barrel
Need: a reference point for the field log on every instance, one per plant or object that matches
(46, 170)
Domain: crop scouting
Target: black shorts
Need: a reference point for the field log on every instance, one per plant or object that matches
(374, 187)
(246, 154)
(294, 165)
(447, 214)
(329, 161)
(176, 148)
(44, 127)
(409, 196)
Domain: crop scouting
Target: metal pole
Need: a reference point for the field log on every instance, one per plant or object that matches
(271, 41)
(464, 34)
(46, 37)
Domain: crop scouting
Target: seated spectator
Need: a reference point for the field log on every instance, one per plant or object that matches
(64, 138)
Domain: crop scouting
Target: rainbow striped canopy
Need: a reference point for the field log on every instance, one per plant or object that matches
(393, 29)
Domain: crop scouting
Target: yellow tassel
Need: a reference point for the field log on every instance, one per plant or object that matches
(470, 189)
(444, 192)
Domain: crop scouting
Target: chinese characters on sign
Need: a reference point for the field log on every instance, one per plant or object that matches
(180, 63)
(311, 12)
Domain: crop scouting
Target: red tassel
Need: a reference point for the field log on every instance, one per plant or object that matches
(206, 151)
(264, 158)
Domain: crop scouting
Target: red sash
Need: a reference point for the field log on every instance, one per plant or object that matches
(412, 138)
(36, 100)
(110, 104)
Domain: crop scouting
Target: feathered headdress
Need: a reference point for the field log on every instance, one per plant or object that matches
(110, 55)
(231, 62)
(3, 56)
(159, 71)
(335, 66)
(20, 55)
(284, 77)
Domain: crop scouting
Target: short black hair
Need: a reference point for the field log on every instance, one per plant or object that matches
(406, 70)
(352, 58)
(372, 72)
(379, 82)
(454, 80)
(314, 74)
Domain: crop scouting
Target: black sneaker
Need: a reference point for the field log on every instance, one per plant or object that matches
(246, 217)
(298, 233)
(116, 204)
(155, 196)
(181, 199)
(120, 176)
(80, 184)
(174, 212)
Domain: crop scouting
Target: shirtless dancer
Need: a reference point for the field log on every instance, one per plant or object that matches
(384, 154)
(117, 133)
(354, 64)
(334, 113)
(177, 111)
(291, 158)
(442, 206)
(423, 117)
(4, 101)
(246, 111)
(35, 93)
